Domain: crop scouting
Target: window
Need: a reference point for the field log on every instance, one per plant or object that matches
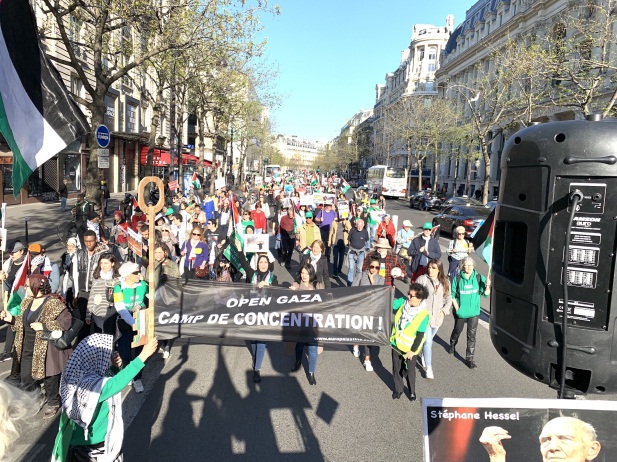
(131, 118)
(76, 85)
(421, 54)
(395, 173)
(431, 67)
(432, 54)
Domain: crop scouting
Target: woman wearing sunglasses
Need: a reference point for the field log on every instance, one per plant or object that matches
(458, 249)
(195, 253)
(370, 277)
(410, 324)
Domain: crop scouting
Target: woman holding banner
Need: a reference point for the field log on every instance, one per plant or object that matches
(195, 253)
(307, 280)
(262, 278)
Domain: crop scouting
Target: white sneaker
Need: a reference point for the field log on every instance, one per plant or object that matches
(138, 386)
(356, 351)
(165, 354)
(368, 366)
(429, 373)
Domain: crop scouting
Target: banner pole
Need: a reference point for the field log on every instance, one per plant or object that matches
(151, 213)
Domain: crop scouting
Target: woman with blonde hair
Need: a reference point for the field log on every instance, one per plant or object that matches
(458, 249)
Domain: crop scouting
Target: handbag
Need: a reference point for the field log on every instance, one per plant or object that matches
(67, 338)
(201, 272)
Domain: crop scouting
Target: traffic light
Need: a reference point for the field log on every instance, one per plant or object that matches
(266, 161)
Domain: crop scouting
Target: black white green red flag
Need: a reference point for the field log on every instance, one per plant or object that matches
(38, 117)
(482, 238)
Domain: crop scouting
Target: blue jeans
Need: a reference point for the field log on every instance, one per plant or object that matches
(312, 355)
(427, 349)
(354, 264)
(126, 352)
(258, 349)
(63, 204)
(372, 230)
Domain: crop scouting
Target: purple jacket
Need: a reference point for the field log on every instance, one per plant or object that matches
(200, 257)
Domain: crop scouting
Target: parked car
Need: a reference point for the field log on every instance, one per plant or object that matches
(468, 216)
(425, 200)
(456, 200)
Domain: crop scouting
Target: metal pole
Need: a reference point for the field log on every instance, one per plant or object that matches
(26, 229)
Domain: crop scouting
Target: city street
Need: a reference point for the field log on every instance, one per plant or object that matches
(202, 403)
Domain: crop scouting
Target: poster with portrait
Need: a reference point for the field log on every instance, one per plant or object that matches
(322, 198)
(309, 190)
(343, 209)
(377, 215)
(530, 430)
(256, 243)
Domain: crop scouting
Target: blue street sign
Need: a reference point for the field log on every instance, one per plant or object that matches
(102, 136)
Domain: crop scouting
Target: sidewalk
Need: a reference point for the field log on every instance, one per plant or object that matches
(43, 220)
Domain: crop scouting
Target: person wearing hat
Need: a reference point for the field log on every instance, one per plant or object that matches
(422, 249)
(138, 217)
(41, 264)
(308, 233)
(129, 297)
(338, 241)
(10, 267)
(371, 222)
(403, 238)
(387, 261)
(386, 229)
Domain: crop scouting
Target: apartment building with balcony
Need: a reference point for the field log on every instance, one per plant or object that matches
(488, 25)
(414, 77)
(299, 153)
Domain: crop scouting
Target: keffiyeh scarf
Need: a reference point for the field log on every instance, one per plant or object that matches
(83, 379)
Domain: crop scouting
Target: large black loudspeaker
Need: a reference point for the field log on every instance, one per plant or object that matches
(541, 167)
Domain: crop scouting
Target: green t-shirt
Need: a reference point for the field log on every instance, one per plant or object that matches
(130, 296)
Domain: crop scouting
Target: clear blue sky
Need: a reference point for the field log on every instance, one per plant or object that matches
(331, 53)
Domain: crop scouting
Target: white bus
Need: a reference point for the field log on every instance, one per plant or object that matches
(389, 181)
(270, 171)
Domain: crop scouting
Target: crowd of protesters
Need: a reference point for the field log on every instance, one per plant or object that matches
(100, 281)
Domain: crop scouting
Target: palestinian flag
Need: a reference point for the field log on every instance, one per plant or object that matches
(38, 117)
(482, 239)
(314, 180)
(18, 291)
(195, 181)
(345, 186)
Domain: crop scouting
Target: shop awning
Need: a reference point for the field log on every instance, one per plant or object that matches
(160, 157)
(189, 159)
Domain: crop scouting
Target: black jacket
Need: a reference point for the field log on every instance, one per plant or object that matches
(434, 251)
(322, 273)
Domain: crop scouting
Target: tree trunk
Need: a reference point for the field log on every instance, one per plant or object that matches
(419, 174)
(468, 182)
(243, 149)
(202, 144)
(435, 173)
(179, 123)
(487, 173)
(93, 173)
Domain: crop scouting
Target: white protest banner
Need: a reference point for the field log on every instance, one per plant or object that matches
(305, 199)
(259, 181)
(219, 183)
(377, 215)
(3, 215)
(321, 198)
(343, 209)
(254, 243)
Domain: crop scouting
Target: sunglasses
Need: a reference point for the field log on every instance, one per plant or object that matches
(413, 296)
(135, 273)
(195, 234)
(461, 234)
(374, 267)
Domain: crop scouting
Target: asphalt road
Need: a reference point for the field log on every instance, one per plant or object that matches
(201, 404)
